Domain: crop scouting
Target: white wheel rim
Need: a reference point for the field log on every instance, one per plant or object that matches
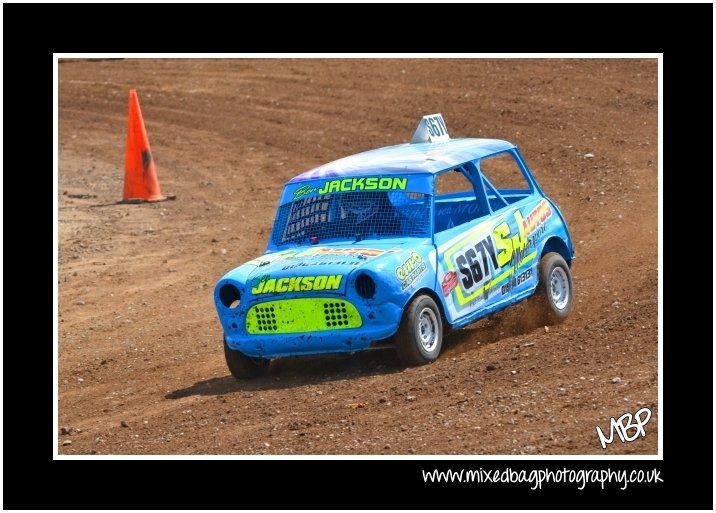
(428, 329)
(559, 288)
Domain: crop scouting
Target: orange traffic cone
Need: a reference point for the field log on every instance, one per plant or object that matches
(140, 175)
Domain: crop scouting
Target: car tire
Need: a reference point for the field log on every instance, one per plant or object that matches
(555, 292)
(242, 366)
(420, 336)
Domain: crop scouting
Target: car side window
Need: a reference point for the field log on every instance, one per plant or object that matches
(456, 201)
(454, 181)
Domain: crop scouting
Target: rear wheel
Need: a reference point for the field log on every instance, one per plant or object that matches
(555, 288)
(420, 337)
(242, 366)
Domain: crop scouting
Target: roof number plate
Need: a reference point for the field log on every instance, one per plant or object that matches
(431, 129)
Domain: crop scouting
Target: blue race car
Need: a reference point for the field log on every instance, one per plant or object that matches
(394, 247)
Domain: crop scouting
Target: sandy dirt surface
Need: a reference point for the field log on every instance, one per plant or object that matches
(141, 365)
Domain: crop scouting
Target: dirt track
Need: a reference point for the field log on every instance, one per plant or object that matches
(139, 341)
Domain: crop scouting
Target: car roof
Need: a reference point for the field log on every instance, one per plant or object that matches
(427, 158)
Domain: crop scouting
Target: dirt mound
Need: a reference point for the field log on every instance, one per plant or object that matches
(141, 367)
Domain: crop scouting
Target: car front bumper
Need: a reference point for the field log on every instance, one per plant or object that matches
(292, 327)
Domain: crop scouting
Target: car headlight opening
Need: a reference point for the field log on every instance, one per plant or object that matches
(365, 286)
(229, 295)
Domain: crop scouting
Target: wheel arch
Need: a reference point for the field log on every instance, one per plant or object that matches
(556, 245)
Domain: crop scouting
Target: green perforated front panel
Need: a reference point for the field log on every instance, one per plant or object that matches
(301, 315)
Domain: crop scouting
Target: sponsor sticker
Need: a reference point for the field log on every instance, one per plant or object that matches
(410, 270)
(449, 282)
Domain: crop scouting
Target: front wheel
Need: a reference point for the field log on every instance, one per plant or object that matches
(555, 288)
(420, 337)
(243, 367)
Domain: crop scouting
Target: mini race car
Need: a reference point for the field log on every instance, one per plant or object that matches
(394, 247)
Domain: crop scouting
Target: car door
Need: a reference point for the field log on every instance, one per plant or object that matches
(485, 258)
(466, 254)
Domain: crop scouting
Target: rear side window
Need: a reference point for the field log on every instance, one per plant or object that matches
(503, 180)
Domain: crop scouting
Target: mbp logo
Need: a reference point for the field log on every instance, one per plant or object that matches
(623, 424)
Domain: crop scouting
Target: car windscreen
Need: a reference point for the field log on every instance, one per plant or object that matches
(317, 211)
